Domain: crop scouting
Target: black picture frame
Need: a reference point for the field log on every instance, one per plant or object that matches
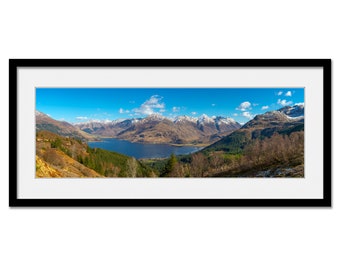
(14, 64)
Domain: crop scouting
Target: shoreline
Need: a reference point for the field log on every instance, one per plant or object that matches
(201, 145)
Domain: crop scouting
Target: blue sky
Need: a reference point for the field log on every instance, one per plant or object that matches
(84, 104)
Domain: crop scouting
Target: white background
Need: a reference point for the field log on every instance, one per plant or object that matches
(309, 187)
(168, 238)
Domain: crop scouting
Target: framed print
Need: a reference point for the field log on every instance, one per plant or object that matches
(170, 132)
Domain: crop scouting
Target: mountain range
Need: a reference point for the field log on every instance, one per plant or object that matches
(182, 129)
(283, 121)
(151, 129)
(63, 128)
(159, 129)
(269, 145)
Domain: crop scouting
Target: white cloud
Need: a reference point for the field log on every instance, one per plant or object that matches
(154, 102)
(121, 110)
(284, 102)
(255, 104)
(247, 115)
(279, 93)
(288, 94)
(235, 114)
(81, 118)
(244, 106)
(300, 103)
(176, 109)
(151, 106)
(193, 113)
(264, 107)
(213, 104)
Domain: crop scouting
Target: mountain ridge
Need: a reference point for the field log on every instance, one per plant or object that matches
(262, 126)
(269, 145)
(160, 129)
(63, 128)
(155, 128)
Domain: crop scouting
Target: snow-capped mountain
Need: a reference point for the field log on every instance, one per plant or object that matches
(283, 121)
(157, 128)
(294, 111)
(204, 119)
(154, 128)
(286, 115)
(184, 118)
(107, 128)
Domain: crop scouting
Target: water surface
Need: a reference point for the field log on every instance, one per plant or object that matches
(142, 150)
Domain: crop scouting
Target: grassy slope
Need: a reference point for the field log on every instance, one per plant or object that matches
(66, 155)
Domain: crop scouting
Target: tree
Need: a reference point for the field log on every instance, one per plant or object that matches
(132, 167)
(170, 165)
(51, 156)
(198, 165)
(216, 161)
(56, 143)
(181, 170)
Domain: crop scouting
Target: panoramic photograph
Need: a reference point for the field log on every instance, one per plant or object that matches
(169, 132)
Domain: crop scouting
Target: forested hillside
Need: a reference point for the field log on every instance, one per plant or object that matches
(58, 156)
(269, 145)
(276, 156)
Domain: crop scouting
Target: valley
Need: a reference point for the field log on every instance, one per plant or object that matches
(269, 145)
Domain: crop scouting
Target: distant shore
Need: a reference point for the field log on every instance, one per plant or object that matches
(98, 139)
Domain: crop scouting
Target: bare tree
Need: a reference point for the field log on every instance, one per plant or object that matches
(198, 165)
(132, 166)
(51, 156)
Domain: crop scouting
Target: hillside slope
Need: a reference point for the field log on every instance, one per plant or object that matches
(262, 126)
(54, 163)
(44, 122)
(59, 156)
(270, 145)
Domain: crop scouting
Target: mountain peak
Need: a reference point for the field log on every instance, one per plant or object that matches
(38, 113)
(205, 119)
(295, 111)
(183, 118)
(286, 114)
